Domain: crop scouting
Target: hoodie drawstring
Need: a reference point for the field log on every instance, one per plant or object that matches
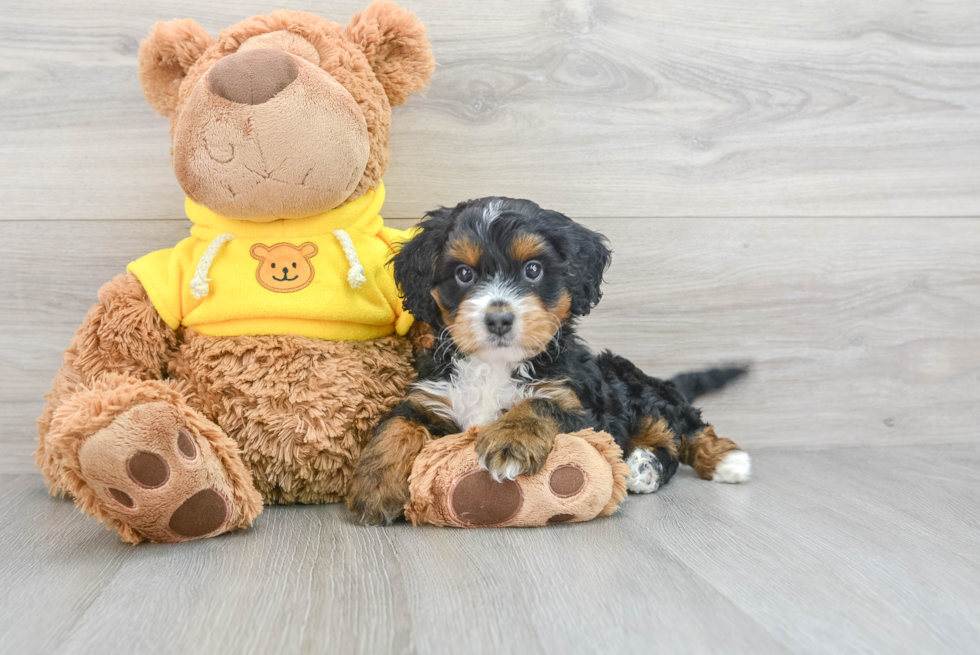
(355, 274)
(199, 284)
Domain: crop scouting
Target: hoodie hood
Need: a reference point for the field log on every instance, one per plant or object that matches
(362, 215)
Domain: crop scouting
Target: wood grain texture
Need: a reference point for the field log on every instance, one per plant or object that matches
(859, 331)
(593, 107)
(818, 554)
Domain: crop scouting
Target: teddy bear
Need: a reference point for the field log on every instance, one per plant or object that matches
(248, 364)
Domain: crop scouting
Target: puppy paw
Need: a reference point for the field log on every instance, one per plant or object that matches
(734, 468)
(646, 471)
(374, 501)
(509, 449)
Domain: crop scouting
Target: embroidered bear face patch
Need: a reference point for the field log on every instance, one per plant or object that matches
(284, 268)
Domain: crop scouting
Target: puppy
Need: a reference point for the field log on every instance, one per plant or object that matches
(501, 283)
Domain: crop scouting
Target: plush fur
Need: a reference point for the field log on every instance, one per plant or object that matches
(502, 283)
(300, 409)
(274, 419)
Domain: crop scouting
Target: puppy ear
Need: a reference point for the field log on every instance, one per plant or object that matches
(587, 256)
(415, 265)
(166, 55)
(396, 47)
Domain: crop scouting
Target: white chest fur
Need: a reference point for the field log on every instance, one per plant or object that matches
(478, 393)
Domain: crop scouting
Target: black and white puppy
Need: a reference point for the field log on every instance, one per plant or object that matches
(501, 283)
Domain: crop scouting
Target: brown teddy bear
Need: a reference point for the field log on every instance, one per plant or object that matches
(249, 363)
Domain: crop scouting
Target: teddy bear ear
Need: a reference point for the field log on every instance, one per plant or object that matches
(166, 55)
(396, 46)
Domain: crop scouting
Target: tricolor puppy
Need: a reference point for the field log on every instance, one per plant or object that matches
(501, 283)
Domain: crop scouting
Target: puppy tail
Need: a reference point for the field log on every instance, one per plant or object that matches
(695, 384)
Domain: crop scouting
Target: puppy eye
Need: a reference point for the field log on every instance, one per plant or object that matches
(464, 274)
(532, 271)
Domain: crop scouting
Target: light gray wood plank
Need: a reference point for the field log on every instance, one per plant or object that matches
(860, 331)
(55, 564)
(329, 586)
(305, 579)
(929, 492)
(18, 435)
(822, 552)
(803, 551)
(594, 107)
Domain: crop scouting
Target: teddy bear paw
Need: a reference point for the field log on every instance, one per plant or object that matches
(582, 477)
(152, 473)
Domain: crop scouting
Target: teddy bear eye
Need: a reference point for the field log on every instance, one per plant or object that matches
(273, 265)
(294, 264)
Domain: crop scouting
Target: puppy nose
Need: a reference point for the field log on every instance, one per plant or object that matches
(252, 77)
(499, 321)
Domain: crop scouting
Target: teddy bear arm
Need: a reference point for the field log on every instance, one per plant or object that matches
(122, 333)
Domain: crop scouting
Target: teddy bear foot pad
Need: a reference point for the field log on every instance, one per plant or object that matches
(477, 500)
(152, 473)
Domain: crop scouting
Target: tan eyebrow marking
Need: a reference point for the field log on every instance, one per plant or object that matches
(526, 246)
(465, 251)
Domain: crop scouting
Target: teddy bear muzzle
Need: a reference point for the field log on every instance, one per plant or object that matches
(252, 77)
(266, 134)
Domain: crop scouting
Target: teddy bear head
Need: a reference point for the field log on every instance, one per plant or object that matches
(286, 114)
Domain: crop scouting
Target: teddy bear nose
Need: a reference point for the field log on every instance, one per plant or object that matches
(252, 77)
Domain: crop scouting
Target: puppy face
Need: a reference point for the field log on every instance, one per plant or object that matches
(501, 275)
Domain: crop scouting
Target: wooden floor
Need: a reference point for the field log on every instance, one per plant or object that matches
(861, 550)
(792, 183)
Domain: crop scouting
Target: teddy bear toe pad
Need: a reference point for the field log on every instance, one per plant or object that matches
(152, 473)
(201, 514)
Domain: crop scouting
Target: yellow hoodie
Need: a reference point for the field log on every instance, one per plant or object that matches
(323, 276)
